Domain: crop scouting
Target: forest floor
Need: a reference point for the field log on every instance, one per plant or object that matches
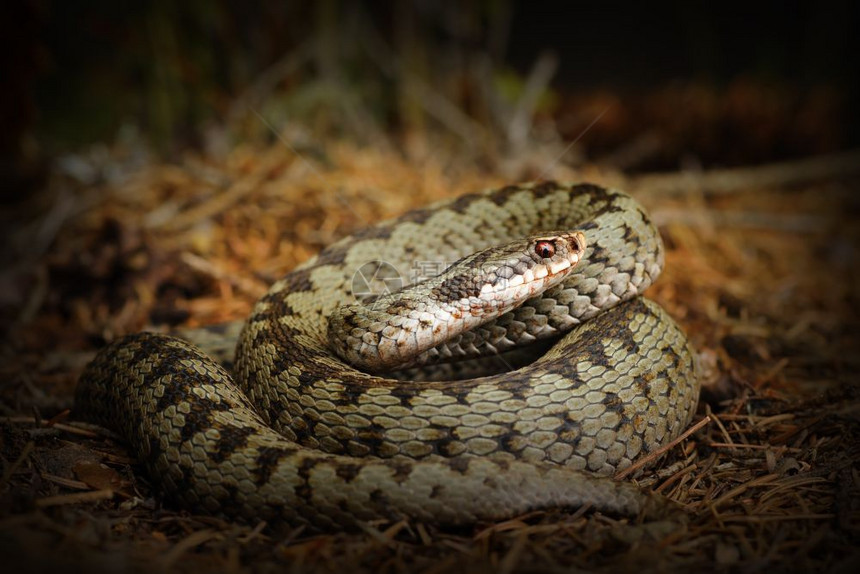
(761, 272)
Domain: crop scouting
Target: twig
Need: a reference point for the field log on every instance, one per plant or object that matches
(266, 82)
(220, 202)
(760, 481)
(37, 296)
(75, 498)
(676, 477)
(794, 223)
(446, 112)
(72, 428)
(395, 528)
(434, 103)
(720, 426)
(722, 181)
(539, 78)
(215, 271)
(425, 537)
(376, 535)
(778, 518)
(560, 156)
(791, 482)
(187, 543)
(25, 452)
(510, 560)
(734, 445)
(762, 422)
(67, 482)
(254, 533)
(646, 460)
(506, 526)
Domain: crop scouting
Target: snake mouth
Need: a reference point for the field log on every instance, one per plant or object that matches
(562, 265)
(550, 270)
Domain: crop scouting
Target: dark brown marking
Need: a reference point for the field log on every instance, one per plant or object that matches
(347, 471)
(402, 471)
(298, 281)
(416, 216)
(594, 191)
(375, 232)
(276, 307)
(181, 485)
(200, 417)
(459, 464)
(334, 255)
(305, 491)
(232, 439)
(267, 462)
(461, 204)
(501, 196)
(630, 235)
(598, 254)
(545, 188)
(613, 402)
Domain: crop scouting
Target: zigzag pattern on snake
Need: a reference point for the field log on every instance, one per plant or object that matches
(297, 436)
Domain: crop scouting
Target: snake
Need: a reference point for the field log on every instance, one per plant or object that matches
(342, 407)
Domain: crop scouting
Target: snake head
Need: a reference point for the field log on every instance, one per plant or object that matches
(391, 331)
(528, 267)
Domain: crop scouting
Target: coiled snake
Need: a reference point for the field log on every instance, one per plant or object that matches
(300, 436)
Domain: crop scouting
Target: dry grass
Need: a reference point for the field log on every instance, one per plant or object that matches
(761, 273)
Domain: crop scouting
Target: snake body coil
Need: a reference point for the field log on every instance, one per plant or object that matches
(298, 436)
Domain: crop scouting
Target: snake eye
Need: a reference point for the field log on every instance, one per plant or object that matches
(545, 249)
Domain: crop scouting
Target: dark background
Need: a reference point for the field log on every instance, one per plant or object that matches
(78, 72)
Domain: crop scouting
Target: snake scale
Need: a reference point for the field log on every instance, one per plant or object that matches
(298, 436)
